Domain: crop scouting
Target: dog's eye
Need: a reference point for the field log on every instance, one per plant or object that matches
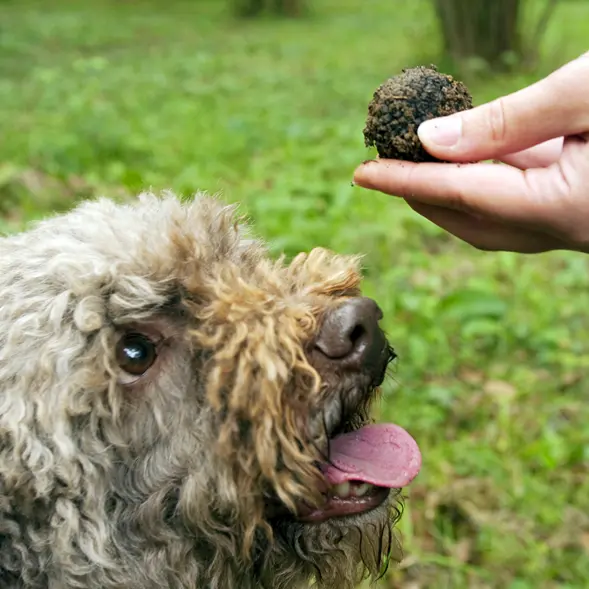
(135, 353)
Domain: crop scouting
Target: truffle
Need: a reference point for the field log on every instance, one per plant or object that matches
(403, 102)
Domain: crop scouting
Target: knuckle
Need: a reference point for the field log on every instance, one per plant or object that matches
(458, 199)
(496, 120)
(406, 188)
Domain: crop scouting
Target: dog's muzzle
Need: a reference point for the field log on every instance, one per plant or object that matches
(363, 462)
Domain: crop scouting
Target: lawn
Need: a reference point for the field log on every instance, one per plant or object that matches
(115, 97)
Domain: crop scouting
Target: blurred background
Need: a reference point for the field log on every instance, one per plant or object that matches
(264, 102)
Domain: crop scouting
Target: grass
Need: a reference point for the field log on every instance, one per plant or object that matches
(114, 97)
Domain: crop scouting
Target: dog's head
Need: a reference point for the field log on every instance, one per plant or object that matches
(190, 407)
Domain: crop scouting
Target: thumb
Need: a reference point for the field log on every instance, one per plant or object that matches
(553, 107)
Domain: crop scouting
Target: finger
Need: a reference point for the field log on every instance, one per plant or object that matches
(557, 105)
(539, 156)
(502, 193)
(484, 234)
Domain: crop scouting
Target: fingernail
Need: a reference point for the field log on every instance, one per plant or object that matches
(445, 131)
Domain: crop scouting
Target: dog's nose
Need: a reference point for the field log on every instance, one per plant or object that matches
(350, 333)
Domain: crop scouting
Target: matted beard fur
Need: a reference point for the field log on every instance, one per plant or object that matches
(114, 480)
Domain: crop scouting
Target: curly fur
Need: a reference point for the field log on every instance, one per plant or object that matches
(161, 482)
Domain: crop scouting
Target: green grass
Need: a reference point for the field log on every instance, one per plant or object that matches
(115, 97)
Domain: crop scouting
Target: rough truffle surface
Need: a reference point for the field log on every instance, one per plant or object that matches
(403, 102)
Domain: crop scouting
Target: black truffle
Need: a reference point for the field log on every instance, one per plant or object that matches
(403, 102)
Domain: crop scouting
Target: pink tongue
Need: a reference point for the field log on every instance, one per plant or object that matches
(384, 455)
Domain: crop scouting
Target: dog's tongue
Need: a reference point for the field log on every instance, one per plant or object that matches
(384, 455)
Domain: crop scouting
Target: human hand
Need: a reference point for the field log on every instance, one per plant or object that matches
(538, 202)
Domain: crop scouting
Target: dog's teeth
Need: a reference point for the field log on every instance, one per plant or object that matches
(342, 490)
(360, 490)
(353, 489)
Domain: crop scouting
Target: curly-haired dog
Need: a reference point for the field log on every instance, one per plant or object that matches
(178, 411)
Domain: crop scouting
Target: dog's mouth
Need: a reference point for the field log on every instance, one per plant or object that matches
(363, 466)
(363, 461)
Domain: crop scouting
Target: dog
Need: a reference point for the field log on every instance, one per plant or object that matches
(179, 410)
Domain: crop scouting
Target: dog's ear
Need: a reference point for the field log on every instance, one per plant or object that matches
(47, 337)
(51, 453)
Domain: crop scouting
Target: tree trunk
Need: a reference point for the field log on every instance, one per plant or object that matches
(289, 7)
(484, 29)
(250, 8)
